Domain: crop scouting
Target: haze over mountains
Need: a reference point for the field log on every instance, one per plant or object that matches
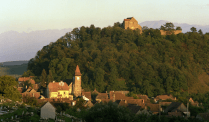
(16, 46)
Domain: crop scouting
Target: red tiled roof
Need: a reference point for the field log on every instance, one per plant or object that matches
(77, 71)
(54, 87)
(126, 19)
(123, 103)
(118, 96)
(153, 107)
(164, 97)
(87, 94)
(22, 79)
(36, 94)
(95, 91)
(102, 96)
(106, 100)
(20, 90)
(35, 86)
(32, 81)
(139, 102)
(145, 97)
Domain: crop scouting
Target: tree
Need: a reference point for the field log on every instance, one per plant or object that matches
(8, 89)
(50, 77)
(28, 73)
(99, 79)
(193, 29)
(30, 100)
(43, 78)
(178, 28)
(144, 28)
(200, 32)
(168, 26)
(109, 112)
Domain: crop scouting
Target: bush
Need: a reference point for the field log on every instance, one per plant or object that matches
(109, 112)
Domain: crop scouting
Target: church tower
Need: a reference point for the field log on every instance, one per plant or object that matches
(77, 82)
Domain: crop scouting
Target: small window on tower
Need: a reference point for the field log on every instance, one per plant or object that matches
(77, 78)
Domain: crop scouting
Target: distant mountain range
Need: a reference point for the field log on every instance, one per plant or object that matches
(185, 27)
(16, 46)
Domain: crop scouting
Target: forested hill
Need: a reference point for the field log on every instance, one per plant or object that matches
(112, 58)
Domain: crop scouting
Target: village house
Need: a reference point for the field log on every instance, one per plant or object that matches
(193, 103)
(154, 108)
(48, 111)
(58, 90)
(63, 90)
(164, 97)
(138, 110)
(31, 93)
(86, 95)
(176, 108)
(145, 97)
(22, 80)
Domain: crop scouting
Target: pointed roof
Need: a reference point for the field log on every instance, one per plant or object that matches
(77, 71)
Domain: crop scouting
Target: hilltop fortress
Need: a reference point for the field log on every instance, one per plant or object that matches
(132, 24)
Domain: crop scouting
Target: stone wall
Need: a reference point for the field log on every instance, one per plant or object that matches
(77, 86)
(167, 33)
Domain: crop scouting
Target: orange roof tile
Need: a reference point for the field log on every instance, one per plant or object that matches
(102, 96)
(118, 96)
(126, 19)
(95, 91)
(153, 107)
(164, 97)
(139, 102)
(77, 71)
(145, 97)
(54, 87)
(87, 94)
(32, 81)
(22, 79)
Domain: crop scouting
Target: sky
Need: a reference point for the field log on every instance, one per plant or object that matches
(32, 15)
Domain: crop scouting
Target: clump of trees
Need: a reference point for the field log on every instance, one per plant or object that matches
(112, 58)
(8, 88)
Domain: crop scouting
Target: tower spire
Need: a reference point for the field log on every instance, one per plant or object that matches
(77, 71)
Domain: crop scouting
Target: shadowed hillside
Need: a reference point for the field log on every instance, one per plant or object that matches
(13, 70)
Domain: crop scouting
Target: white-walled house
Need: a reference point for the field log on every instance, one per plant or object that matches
(48, 111)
